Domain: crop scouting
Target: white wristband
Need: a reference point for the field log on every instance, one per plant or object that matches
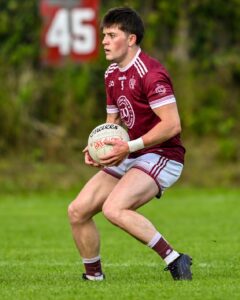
(135, 145)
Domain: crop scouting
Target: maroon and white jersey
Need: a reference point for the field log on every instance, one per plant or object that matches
(133, 92)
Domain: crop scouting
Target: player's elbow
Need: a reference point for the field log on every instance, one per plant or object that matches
(176, 128)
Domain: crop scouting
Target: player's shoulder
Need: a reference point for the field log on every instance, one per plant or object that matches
(148, 66)
(111, 68)
(155, 68)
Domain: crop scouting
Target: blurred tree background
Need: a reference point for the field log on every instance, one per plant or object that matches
(47, 113)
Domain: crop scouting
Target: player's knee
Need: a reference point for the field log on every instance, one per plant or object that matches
(75, 214)
(111, 213)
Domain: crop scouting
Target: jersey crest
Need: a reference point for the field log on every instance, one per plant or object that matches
(126, 111)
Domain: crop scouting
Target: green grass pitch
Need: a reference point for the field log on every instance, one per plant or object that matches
(38, 259)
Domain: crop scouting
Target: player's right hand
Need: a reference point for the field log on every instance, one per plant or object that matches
(88, 159)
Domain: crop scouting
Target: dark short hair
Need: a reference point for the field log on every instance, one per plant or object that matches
(126, 19)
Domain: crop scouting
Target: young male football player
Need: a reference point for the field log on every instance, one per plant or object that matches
(140, 96)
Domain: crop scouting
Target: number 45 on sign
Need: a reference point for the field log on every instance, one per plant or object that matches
(70, 31)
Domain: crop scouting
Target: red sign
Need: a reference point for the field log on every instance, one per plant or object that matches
(70, 30)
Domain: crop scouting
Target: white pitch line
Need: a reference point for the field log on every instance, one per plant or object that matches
(116, 265)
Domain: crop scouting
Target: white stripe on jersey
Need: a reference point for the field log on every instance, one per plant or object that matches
(111, 69)
(140, 66)
(138, 69)
(112, 109)
(162, 101)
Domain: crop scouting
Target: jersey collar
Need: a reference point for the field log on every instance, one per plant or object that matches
(124, 69)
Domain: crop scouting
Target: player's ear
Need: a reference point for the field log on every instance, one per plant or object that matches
(132, 40)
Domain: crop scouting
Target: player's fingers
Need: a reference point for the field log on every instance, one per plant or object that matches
(88, 159)
(107, 161)
(85, 149)
(113, 141)
(107, 142)
(92, 163)
(97, 165)
(108, 156)
(112, 164)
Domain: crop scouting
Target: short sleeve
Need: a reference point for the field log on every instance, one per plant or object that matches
(158, 89)
(111, 106)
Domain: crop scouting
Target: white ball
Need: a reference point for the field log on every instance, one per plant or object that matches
(104, 132)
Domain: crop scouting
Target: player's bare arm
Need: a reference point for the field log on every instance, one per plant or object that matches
(168, 127)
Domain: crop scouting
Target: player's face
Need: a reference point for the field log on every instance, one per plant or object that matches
(116, 45)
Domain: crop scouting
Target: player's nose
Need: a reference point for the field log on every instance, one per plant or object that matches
(105, 40)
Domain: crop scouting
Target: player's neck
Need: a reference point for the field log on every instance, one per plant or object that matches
(129, 57)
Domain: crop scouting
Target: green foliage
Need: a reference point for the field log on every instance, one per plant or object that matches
(19, 32)
(197, 41)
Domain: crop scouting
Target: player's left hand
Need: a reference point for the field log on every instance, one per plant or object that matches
(119, 152)
(88, 159)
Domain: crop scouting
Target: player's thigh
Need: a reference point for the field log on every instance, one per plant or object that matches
(133, 190)
(94, 193)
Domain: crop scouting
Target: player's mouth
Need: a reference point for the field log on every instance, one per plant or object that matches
(107, 51)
